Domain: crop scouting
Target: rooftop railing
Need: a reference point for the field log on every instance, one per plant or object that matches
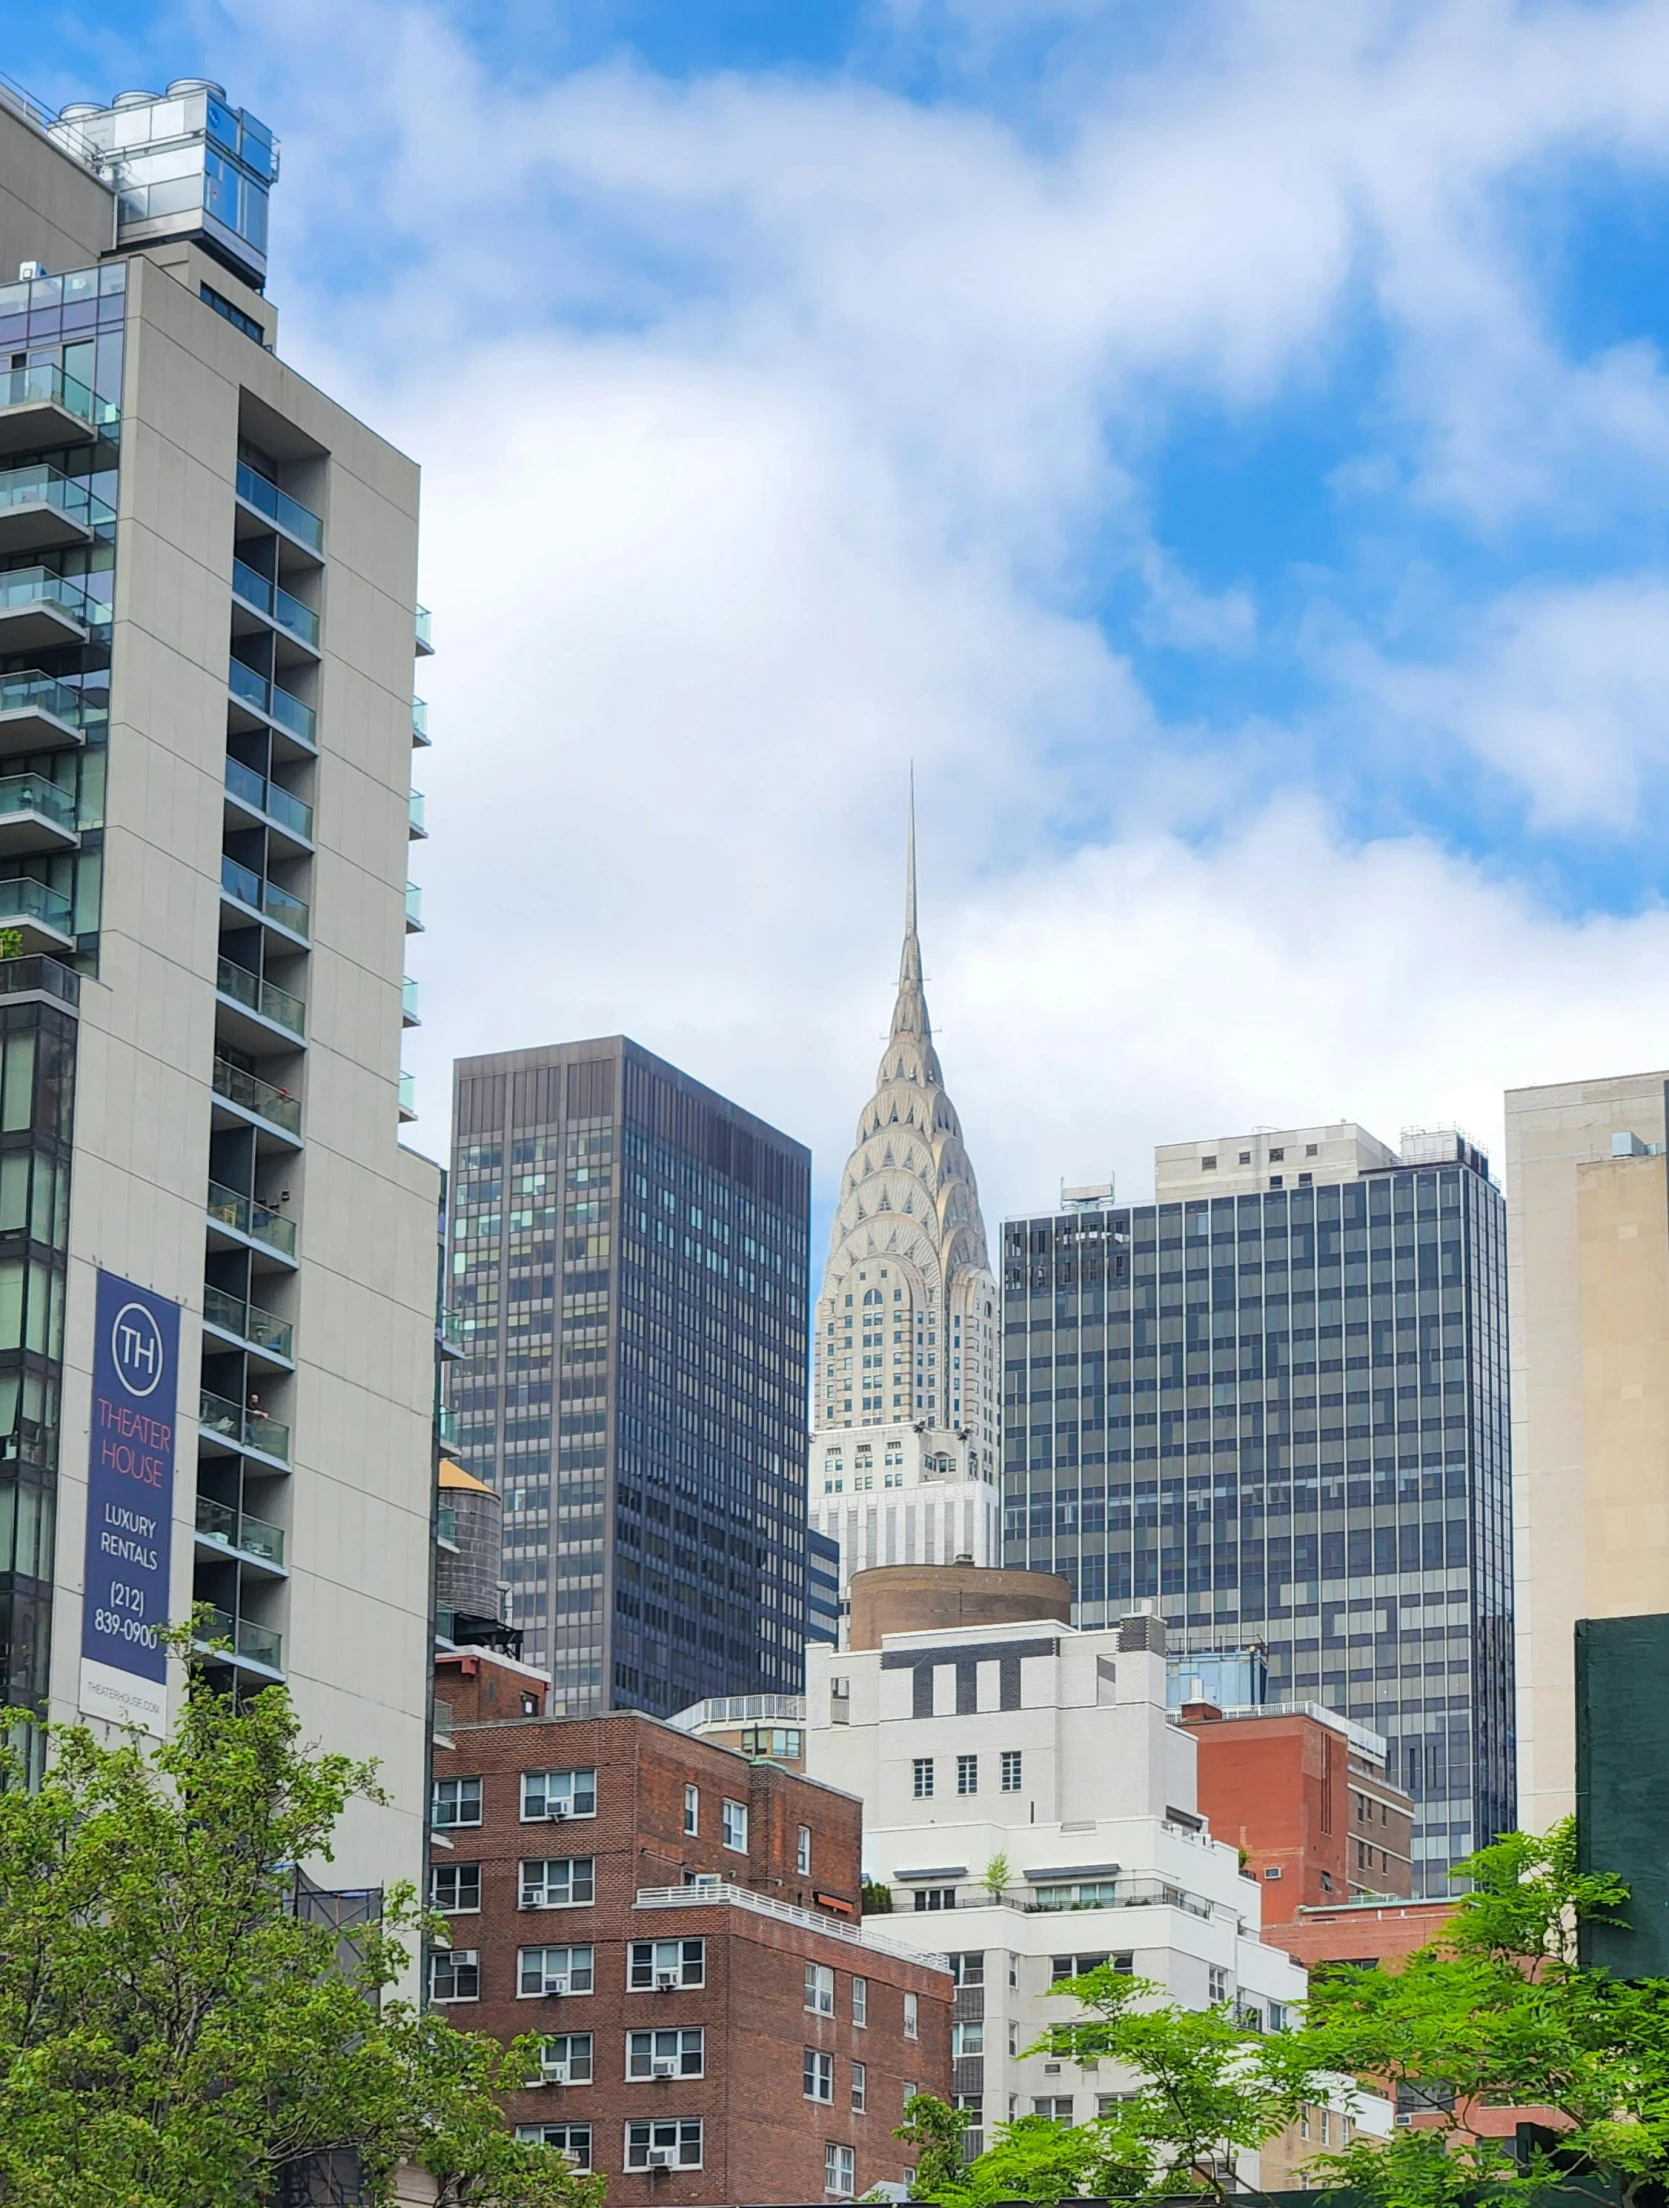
(708, 1893)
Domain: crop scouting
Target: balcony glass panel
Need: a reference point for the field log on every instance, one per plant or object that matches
(23, 898)
(414, 905)
(218, 1414)
(239, 1530)
(33, 793)
(420, 719)
(280, 508)
(414, 813)
(408, 1001)
(248, 1321)
(446, 1521)
(275, 602)
(451, 1331)
(408, 1094)
(446, 1425)
(31, 691)
(243, 883)
(45, 384)
(39, 586)
(267, 797)
(425, 629)
(41, 484)
(254, 1095)
(264, 997)
(278, 705)
(243, 1214)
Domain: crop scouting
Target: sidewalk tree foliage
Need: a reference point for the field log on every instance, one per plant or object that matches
(174, 2035)
(1503, 2014)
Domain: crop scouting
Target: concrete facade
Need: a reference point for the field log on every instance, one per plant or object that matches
(236, 899)
(1588, 1241)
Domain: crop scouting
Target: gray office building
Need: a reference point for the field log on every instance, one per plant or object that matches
(1273, 1403)
(629, 1259)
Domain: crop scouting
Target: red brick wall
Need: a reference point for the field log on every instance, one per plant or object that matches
(1277, 1787)
(478, 1688)
(763, 2141)
(1365, 1933)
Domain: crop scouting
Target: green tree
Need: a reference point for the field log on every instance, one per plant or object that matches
(1503, 2014)
(996, 1876)
(174, 2035)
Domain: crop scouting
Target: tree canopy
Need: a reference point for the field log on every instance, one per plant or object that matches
(174, 2034)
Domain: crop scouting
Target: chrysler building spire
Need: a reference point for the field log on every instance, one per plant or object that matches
(907, 1323)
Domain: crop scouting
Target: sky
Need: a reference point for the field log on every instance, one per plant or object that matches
(1223, 446)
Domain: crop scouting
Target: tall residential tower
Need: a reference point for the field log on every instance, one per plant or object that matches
(904, 1456)
(217, 1287)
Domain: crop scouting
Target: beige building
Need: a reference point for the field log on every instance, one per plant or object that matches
(1588, 1295)
(217, 1262)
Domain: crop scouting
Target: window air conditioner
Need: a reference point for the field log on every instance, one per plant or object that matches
(662, 2158)
(556, 2073)
(666, 1981)
(555, 1812)
(556, 1985)
(663, 2066)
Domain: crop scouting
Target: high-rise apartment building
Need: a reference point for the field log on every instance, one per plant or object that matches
(1588, 1232)
(904, 1458)
(1274, 1403)
(629, 1266)
(217, 1310)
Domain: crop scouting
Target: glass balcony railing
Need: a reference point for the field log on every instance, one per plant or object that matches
(445, 1620)
(252, 1094)
(409, 1015)
(278, 705)
(252, 889)
(446, 1521)
(239, 1530)
(29, 691)
(263, 997)
(446, 1426)
(414, 908)
(408, 1095)
(45, 384)
(425, 630)
(235, 1315)
(414, 814)
(449, 1331)
(420, 720)
(23, 898)
(245, 1216)
(278, 507)
(255, 1642)
(41, 484)
(33, 793)
(267, 797)
(22, 587)
(218, 1414)
(276, 603)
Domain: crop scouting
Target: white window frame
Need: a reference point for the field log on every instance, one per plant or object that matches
(679, 2126)
(921, 1778)
(819, 1989)
(860, 2088)
(733, 1825)
(840, 2162)
(541, 1782)
(674, 2043)
(570, 1971)
(538, 1892)
(456, 1787)
(967, 2038)
(454, 1959)
(967, 1774)
(692, 1810)
(569, 2041)
(665, 1955)
(912, 2017)
(817, 2076)
(1009, 1769)
(802, 1850)
(539, 2135)
(860, 2003)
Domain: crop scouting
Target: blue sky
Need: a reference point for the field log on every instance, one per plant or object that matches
(1225, 445)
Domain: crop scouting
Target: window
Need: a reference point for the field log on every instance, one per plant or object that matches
(692, 1809)
(455, 1974)
(559, 1882)
(679, 2053)
(820, 1989)
(1217, 1987)
(662, 1965)
(1277, 2016)
(1312, 1149)
(860, 2002)
(734, 1824)
(1245, 1157)
(839, 2170)
(566, 2058)
(802, 1849)
(967, 1774)
(674, 2144)
(1011, 1771)
(968, 1969)
(912, 2015)
(554, 1970)
(558, 1794)
(817, 2075)
(935, 1897)
(967, 2039)
(921, 1777)
(455, 1802)
(456, 1889)
(1062, 1967)
(1277, 1157)
(1056, 2106)
(572, 2140)
(860, 2086)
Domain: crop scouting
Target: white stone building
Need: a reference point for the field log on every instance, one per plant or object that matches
(1047, 1750)
(905, 1450)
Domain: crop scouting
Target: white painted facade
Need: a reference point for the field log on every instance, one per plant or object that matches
(1051, 1748)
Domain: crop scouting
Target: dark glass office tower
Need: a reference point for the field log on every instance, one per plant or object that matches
(1279, 1409)
(629, 1266)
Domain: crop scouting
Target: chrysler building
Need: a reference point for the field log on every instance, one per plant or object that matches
(905, 1458)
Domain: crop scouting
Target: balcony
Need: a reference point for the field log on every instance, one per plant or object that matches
(253, 590)
(285, 513)
(33, 917)
(35, 815)
(38, 713)
(219, 1419)
(446, 1426)
(28, 977)
(445, 1622)
(415, 829)
(414, 909)
(272, 705)
(42, 409)
(408, 1097)
(248, 1325)
(409, 1014)
(449, 1334)
(219, 1526)
(245, 887)
(42, 509)
(420, 723)
(443, 1722)
(274, 1007)
(41, 611)
(253, 1224)
(251, 1097)
(275, 805)
(249, 1647)
(425, 637)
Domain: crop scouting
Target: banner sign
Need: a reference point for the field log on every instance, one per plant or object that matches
(130, 1505)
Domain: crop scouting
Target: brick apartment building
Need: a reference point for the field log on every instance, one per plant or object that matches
(681, 1925)
(1305, 1793)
